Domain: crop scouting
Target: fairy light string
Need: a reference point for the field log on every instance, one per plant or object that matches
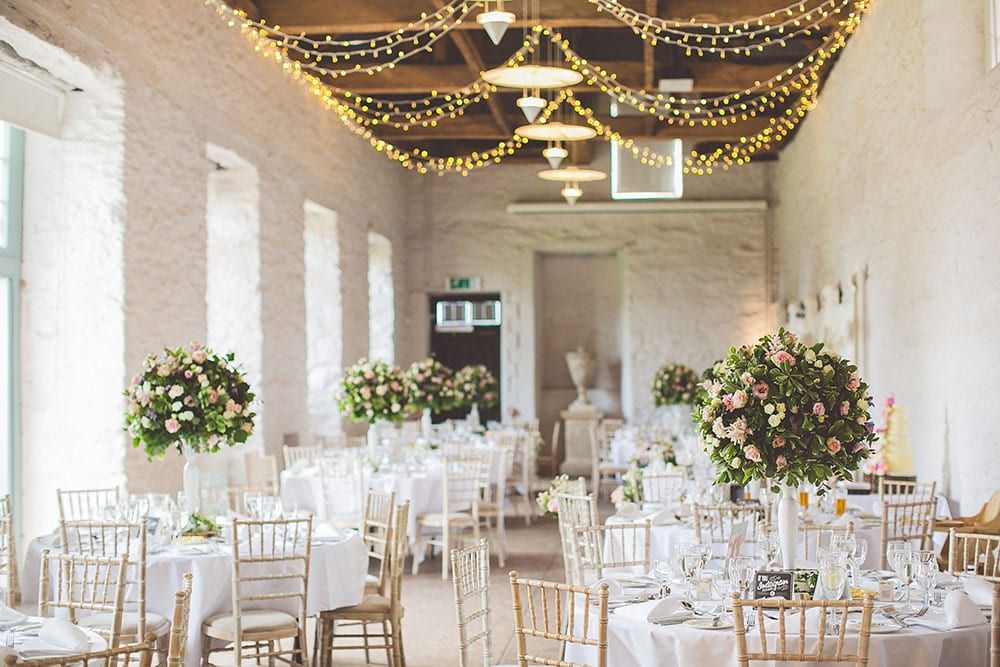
(796, 86)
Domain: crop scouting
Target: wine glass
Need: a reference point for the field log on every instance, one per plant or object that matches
(858, 556)
(927, 576)
(904, 564)
(846, 543)
(833, 573)
(253, 503)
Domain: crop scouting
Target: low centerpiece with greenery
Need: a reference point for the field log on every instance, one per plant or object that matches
(674, 384)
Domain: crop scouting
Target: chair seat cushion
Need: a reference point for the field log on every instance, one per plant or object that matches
(223, 626)
(130, 621)
(371, 583)
(437, 519)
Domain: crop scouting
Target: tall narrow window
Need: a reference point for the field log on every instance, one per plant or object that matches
(993, 32)
(324, 312)
(11, 172)
(381, 302)
(233, 268)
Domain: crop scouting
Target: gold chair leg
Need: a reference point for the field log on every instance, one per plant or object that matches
(390, 648)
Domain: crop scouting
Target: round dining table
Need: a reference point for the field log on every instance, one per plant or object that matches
(336, 578)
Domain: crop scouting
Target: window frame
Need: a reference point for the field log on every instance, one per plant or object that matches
(10, 268)
(992, 34)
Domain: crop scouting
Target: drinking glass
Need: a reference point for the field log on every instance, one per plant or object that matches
(253, 502)
(270, 507)
(893, 547)
(858, 556)
(702, 594)
(741, 573)
(803, 499)
(833, 573)
(770, 545)
(904, 564)
(927, 576)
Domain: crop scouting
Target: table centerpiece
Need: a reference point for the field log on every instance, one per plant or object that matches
(478, 389)
(673, 392)
(785, 413)
(373, 392)
(191, 399)
(430, 387)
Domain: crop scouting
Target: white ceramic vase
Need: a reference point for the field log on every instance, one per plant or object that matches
(425, 423)
(191, 478)
(788, 525)
(473, 418)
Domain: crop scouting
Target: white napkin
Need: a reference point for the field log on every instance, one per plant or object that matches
(628, 510)
(300, 466)
(9, 617)
(327, 532)
(773, 626)
(614, 587)
(655, 611)
(64, 634)
(959, 612)
(662, 517)
(980, 590)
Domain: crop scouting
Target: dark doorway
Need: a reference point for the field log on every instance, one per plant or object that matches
(465, 329)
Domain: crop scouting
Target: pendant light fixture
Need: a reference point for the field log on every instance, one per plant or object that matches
(495, 21)
(531, 105)
(571, 177)
(554, 153)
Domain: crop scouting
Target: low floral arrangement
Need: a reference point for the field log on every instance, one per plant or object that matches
(655, 452)
(785, 412)
(878, 463)
(628, 491)
(373, 390)
(477, 386)
(430, 384)
(188, 397)
(548, 500)
(674, 384)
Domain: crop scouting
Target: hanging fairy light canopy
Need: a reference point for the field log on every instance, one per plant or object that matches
(780, 101)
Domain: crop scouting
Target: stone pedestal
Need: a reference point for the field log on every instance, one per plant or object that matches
(577, 426)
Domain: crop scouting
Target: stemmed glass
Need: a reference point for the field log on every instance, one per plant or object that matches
(254, 504)
(904, 564)
(690, 562)
(927, 576)
(833, 573)
(769, 543)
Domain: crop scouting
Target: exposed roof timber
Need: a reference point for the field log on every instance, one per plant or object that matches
(346, 17)
(482, 127)
(411, 79)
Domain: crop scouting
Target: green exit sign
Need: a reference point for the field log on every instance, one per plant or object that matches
(464, 283)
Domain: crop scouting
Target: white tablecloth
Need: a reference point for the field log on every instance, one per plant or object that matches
(637, 644)
(336, 579)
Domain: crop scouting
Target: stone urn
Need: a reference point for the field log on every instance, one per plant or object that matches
(581, 370)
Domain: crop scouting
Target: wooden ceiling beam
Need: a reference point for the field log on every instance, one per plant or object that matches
(476, 66)
(416, 79)
(481, 127)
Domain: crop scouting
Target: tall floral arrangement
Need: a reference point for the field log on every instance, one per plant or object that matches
(787, 412)
(477, 385)
(188, 397)
(430, 384)
(674, 384)
(373, 390)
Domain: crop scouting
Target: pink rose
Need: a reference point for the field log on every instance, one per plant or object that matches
(369, 375)
(727, 401)
(778, 443)
(195, 345)
(832, 445)
(366, 393)
(395, 386)
(782, 357)
(746, 378)
(172, 425)
(854, 383)
(751, 453)
(739, 399)
(781, 461)
(188, 374)
(213, 397)
(819, 409)
(553, 505)
(199, 356)
(759, 391)
(381, 390)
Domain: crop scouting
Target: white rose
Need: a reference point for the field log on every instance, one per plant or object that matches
(810, 355)
(768, 408)
(774, 420)
(736, 462)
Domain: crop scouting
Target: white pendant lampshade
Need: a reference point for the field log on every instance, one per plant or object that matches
(571, 193)
(531, 106)
(555, 155)
(532, 76)
(495, 23)
(556, 131)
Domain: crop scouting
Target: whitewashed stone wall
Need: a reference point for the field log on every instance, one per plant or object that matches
(897, 169)
(694, 282)
(185, 81)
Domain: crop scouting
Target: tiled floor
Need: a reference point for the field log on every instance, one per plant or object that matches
(429, 629)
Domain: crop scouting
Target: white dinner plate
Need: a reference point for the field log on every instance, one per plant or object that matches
(878, 627)
(703, 623)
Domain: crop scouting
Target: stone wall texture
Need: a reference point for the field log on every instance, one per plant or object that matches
(184, 81)
(897, 170)
(693, 283)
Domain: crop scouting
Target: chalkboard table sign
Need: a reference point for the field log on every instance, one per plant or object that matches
(774, 585)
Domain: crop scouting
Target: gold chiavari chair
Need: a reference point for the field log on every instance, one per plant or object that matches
(905, 491)
(261, 470)
(8, 553)
(459, 510)
(117, 540)
(470, 571)
(575, 511)
(86, 504)
(558, 613)
(292, 455)
(386, 611)
(660, 487)
(376, 529)
(779, 649)
(139, 655)
(715, 522)
(813, 535)
(907, 522)
(604, 472)
(976, 555)
(275, 553)
(177, 647)
(85, 585)
(602, 549)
